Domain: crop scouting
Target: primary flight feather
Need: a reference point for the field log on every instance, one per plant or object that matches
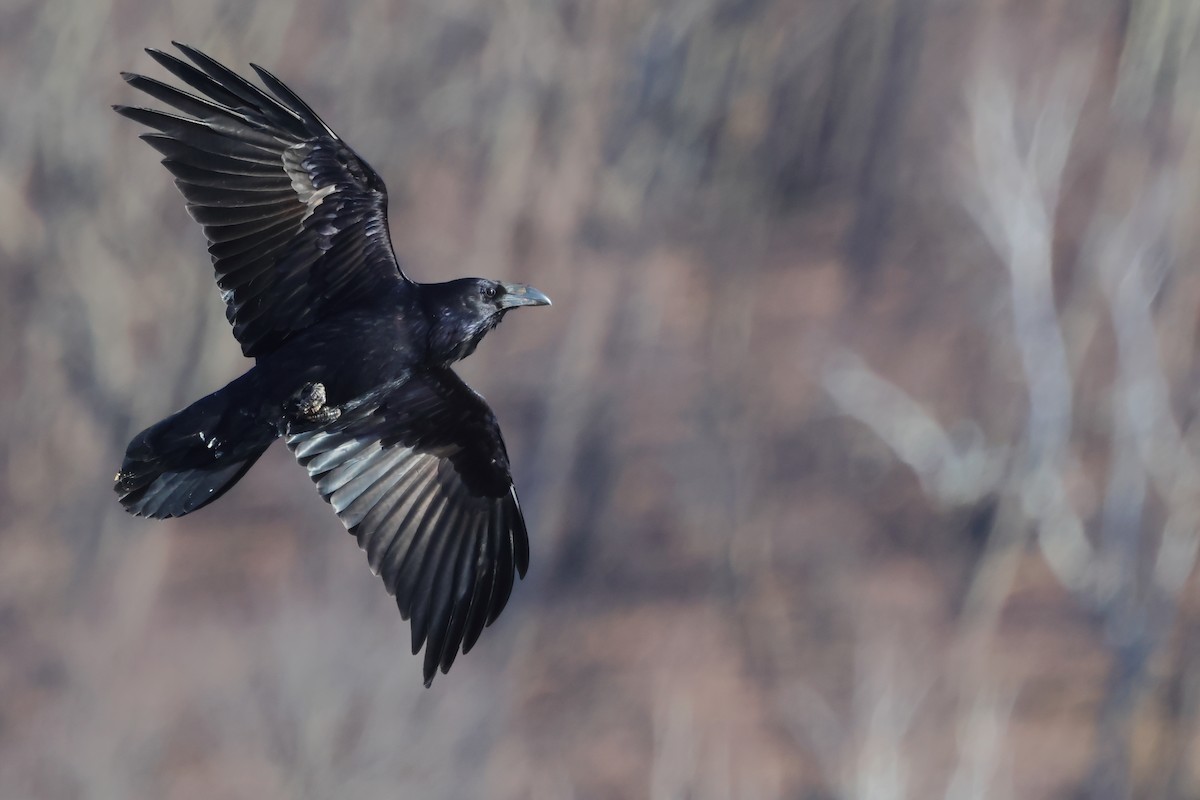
(352, 358)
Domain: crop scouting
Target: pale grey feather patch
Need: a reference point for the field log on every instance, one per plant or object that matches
(309, 195)
(324, 462)
(336, 479)
(354, 500)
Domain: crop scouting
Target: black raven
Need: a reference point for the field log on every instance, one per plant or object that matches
(352, 358)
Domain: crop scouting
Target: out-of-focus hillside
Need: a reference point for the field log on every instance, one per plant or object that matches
(859, 448)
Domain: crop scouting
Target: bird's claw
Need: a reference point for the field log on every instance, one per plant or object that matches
(309, 405)
(310, 399)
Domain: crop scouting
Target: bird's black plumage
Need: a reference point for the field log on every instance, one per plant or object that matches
(352, 358)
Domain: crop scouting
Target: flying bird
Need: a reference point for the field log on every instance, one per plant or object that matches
(352, 357)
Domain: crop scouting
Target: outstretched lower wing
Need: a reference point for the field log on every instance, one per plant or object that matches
(419, 474)
(296, 221)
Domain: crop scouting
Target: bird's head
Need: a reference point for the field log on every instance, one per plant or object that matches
(463, 311)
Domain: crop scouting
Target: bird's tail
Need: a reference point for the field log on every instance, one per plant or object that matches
(194, 456)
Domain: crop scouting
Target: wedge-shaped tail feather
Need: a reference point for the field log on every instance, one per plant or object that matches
(191, 458)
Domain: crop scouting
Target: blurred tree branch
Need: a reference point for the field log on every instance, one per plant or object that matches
(1013, 193)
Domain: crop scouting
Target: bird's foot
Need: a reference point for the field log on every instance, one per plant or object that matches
(309, 405)
(310, 399)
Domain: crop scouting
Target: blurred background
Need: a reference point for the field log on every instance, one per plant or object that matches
(859, 449)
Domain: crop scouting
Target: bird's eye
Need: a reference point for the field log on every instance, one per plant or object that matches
(489, 292)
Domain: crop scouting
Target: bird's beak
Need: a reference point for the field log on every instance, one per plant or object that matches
(518, 294)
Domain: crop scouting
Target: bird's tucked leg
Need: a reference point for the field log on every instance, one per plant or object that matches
(308, 406)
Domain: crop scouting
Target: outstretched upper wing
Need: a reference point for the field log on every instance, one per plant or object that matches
(296, 221)
(419, 474)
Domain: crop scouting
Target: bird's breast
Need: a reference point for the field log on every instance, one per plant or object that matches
(351, 355)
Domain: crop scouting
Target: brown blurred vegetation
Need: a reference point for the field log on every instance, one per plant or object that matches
(858, 449)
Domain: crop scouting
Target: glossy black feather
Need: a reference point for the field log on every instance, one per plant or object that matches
(410, 459)
(245, 156)
(444, 501)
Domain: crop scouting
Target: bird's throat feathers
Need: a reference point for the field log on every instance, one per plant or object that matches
(453, 338)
